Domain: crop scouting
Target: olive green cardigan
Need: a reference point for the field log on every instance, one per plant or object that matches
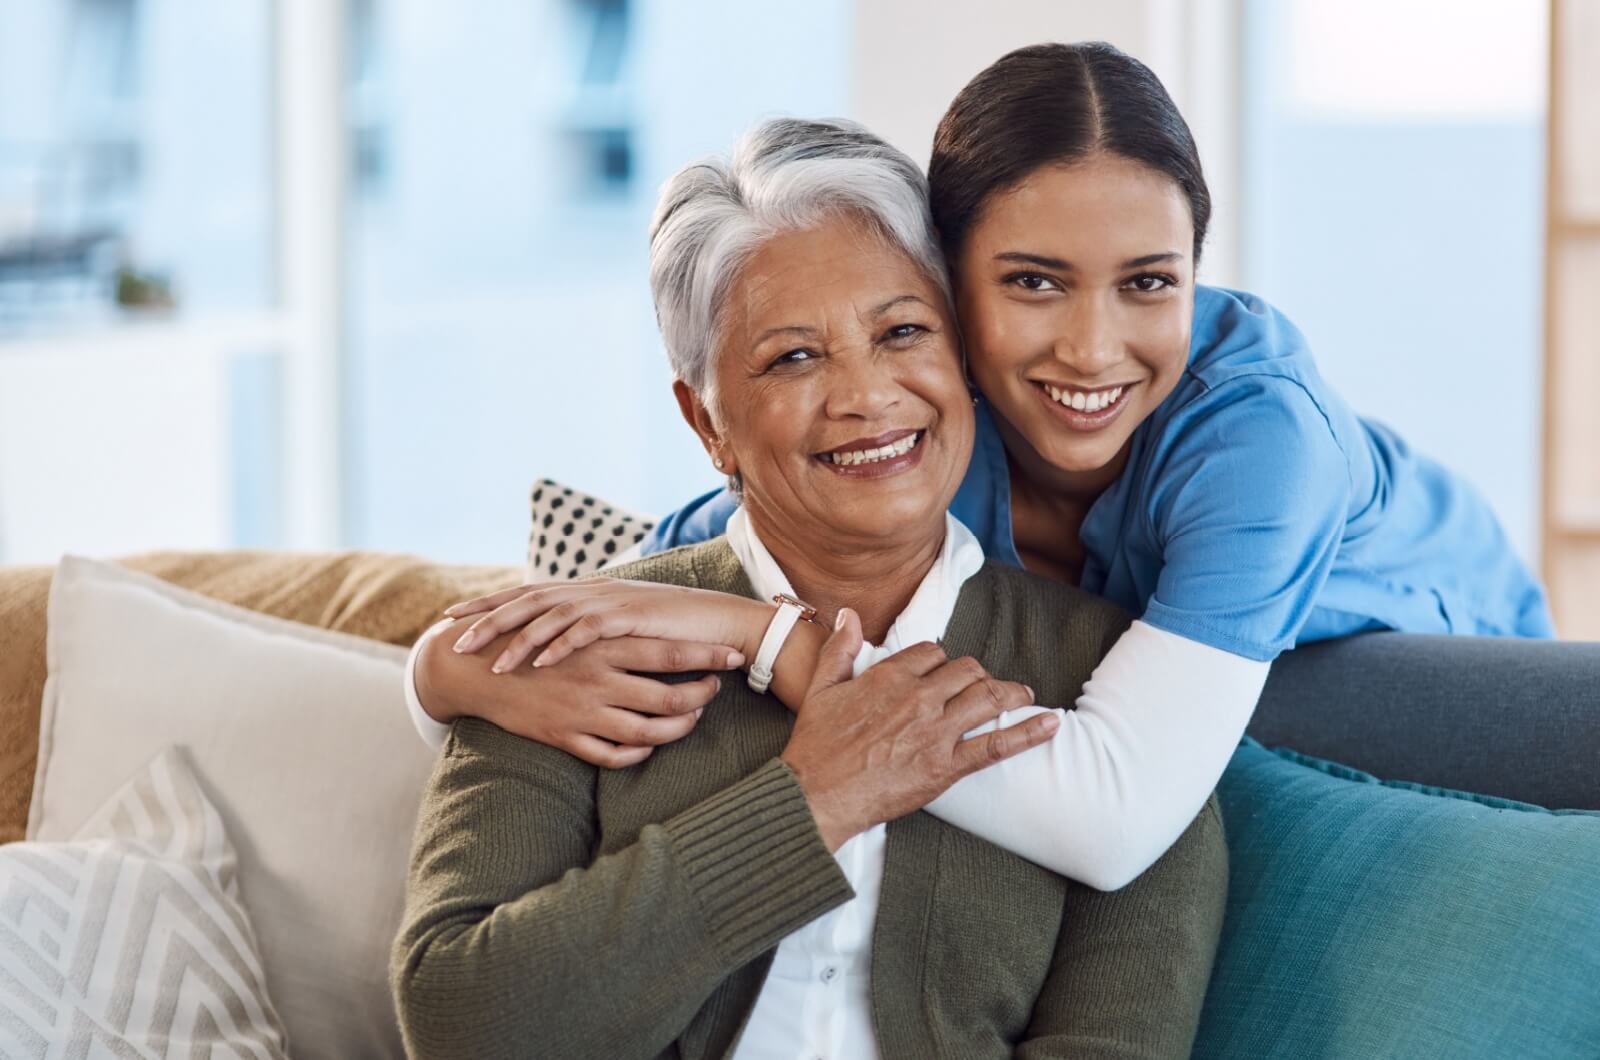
(558, 910)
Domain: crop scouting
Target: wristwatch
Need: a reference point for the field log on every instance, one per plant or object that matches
(789, 612)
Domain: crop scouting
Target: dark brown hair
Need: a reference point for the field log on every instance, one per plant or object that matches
(1049, 104)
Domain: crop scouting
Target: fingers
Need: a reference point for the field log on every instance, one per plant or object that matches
(836, 659)
(535, 635)
(631, 729)
(648, 655)
(917, 660)
(948, 680)
(506, 616)
(984, 699)
(648, 696)
(590, 625)
(487, 602)
(986, 750)
(597, 752)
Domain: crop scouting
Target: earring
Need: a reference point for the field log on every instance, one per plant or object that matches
(716, 462)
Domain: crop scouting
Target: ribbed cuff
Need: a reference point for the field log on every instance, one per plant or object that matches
(756, 862)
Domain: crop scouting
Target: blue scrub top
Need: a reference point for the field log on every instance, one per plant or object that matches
(1257, 511)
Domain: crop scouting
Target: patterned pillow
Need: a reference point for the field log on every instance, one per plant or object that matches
(129, 940)
(575, 534)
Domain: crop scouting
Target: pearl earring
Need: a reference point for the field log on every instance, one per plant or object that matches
(717, 462)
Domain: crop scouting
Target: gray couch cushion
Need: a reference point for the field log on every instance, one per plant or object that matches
(1514, 718)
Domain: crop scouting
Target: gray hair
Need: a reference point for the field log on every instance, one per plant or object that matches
(785, 174)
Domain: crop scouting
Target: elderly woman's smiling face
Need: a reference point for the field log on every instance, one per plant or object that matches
(840, 399)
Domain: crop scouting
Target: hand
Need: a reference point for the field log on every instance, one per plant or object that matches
(593, 704)
(561, 617)
(879, 746)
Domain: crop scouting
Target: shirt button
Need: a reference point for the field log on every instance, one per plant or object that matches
(828, 974)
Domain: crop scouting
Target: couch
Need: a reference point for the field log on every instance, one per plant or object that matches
(1516, 720)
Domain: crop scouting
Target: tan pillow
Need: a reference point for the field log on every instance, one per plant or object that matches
(301, 737)
(385, 596)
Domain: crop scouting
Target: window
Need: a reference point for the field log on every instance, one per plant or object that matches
(499, 318)
(1392, 200)
(139, 332)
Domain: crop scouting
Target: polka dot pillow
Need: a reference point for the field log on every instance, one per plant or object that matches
(573, 534)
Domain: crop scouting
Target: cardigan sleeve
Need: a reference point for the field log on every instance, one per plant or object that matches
(515, 933)
(1130, 971)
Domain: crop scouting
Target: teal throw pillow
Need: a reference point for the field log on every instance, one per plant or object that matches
(1374, 919)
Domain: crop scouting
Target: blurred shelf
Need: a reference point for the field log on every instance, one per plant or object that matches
(254, 332)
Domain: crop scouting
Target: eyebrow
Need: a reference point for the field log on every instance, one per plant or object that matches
(810, 332)
(1061, 265)
(796, 329)
(879, 310)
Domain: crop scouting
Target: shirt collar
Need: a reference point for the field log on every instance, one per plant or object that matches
(925, 616)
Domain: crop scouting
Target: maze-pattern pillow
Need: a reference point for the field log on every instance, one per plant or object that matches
(130, 940)
(574, 534)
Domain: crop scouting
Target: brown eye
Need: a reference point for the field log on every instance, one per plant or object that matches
(1152, 282)
(792, 357)
(904, 333)
(1032, 281)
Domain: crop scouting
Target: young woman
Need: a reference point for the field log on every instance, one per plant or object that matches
(1168, 446)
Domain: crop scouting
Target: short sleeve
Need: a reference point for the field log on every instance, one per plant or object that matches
(701, 519)
(1249, 506)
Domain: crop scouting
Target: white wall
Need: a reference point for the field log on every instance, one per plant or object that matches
(913, 56)
(112, 448)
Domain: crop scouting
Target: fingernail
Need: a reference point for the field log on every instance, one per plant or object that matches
(500, 665)
(464, 642)
(543, 658)
(1031, 693)
(451, 610)
(838, 620)
(699, 711)
(735, 659)
(1051, 723)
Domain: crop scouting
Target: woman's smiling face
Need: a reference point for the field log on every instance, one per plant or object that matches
(839, 394)
(1076, 291)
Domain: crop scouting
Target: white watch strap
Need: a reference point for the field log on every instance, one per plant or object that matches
(778, 629)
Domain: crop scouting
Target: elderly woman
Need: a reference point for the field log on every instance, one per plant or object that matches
(764, 886)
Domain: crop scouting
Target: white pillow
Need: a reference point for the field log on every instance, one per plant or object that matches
(130, 940)
(301, 737)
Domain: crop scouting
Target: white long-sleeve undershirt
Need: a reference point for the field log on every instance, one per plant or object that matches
(1127, 770)
(1121, 778)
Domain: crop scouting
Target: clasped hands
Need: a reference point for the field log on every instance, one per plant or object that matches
(865, 749)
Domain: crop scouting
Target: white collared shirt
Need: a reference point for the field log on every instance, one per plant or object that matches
(817, 999)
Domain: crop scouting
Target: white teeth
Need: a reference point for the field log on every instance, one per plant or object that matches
(1083, 401)
(872, 456)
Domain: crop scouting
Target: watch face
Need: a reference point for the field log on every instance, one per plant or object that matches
(807, 612)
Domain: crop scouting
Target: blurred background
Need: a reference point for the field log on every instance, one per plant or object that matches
(328, 274)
